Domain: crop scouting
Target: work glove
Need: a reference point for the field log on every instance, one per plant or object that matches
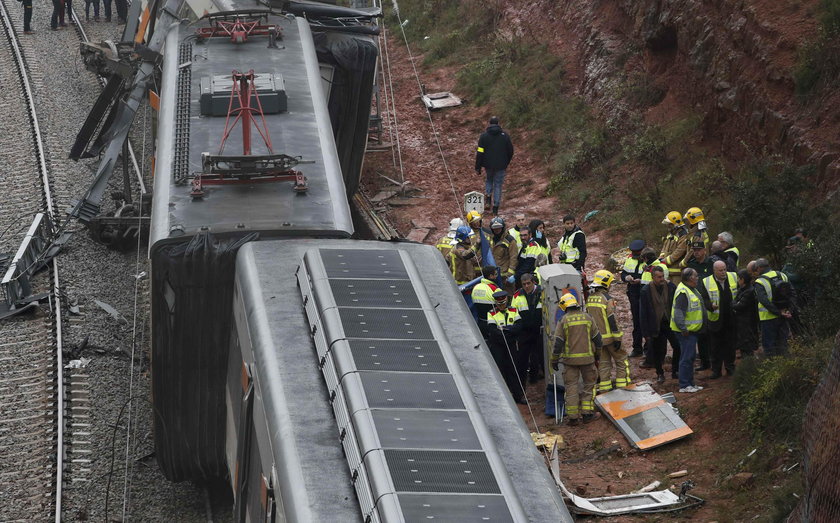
(511, 279)
(555, 363)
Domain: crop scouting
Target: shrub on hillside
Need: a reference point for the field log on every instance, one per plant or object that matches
(818, 65)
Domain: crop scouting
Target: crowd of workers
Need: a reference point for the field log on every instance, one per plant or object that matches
(692, 294)
(65, 7)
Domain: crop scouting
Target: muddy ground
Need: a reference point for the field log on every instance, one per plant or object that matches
(712, 455)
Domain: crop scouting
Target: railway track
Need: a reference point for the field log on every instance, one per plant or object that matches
(31, 381)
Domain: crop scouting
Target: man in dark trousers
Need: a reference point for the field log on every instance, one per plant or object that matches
(631, 274)
(718, 291)
(503, 326)
(27, 17)
(528, 301)
(655, 303)
(494, 153)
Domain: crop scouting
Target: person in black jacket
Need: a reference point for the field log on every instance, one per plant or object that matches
(655, 302)
(494, 153)
(745, 307)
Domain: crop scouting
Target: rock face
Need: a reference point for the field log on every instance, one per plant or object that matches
(728, 61)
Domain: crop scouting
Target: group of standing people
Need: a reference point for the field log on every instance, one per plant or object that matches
(701, 303)
(63, 9)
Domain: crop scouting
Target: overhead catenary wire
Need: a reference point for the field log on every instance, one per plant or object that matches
(428, 111)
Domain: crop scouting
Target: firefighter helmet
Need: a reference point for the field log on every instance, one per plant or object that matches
(694, 215)
(463, 234)
(673, 218)
(473, 216)
(568, 300)
(603, 278)
(497, 223)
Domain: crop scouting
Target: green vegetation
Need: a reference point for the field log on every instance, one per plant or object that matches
(818, 66)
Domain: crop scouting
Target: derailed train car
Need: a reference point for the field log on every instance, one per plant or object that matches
(259, 146)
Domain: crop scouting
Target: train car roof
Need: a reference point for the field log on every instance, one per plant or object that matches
(282, 343)
(303, 130)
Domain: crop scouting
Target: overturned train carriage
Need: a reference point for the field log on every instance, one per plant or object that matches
(320, 376)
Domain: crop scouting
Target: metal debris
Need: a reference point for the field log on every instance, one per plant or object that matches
(111, 310)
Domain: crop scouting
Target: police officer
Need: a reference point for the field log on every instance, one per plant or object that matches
(631, 274)
(503, 325)
(526, 262)
(576, 338)
(528, 301)
(602, 308)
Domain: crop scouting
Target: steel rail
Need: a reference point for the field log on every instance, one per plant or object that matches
(80, 30)
(44, 173)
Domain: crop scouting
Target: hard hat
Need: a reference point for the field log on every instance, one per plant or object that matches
(603, 278)
(462, 234)
(497, 223)
(473, 216)
(500, 295)
(454, 223)
(694, 215)
(673, 218)
(637, 245)
(698, 244)
(568, 300)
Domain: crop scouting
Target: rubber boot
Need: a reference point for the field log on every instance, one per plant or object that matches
(495, 210)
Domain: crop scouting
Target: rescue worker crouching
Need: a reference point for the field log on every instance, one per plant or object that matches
(503, 326)
(576, 338)
(601, 307)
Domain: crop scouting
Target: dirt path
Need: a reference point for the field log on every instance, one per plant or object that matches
(718, 442)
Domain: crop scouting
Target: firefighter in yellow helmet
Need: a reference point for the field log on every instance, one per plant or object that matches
(576, 338)
(602, 308)
(697, 232)
(473, 219)
(674, 244)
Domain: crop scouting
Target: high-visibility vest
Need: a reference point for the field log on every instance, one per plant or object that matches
(483, 292)
(634, 266)
(497, 319)
(568, 252)
(515, 233)
(647, 276)
(520, 301)
(532, 250)
(577, 331)
(600, 309)
(764, 280)
(735, 250)
(714, 291)
(694, 314)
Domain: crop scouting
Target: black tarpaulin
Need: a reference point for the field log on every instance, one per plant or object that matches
(192, 297)
(354, 58)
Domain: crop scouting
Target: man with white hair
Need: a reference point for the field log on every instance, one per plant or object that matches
(729, 249)
(718, 291)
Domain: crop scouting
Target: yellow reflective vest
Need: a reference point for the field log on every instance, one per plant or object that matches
(568, 252)
(714, 291)
(694, 314)
(764, 280)
(600, 306)
(647, 275)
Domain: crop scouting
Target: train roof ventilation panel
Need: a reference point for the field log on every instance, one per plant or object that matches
(215, 99)
(413, 436)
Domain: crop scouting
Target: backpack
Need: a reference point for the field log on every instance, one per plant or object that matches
(782, 291)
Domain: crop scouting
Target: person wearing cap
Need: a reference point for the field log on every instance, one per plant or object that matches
(447, 241)
(688, 319)
(494, 153)
(528, 301)
(602, 308)
(674, 244)
(631, 274)
(505, 252)
(503, 326)
(576, 340)
(482, 296)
